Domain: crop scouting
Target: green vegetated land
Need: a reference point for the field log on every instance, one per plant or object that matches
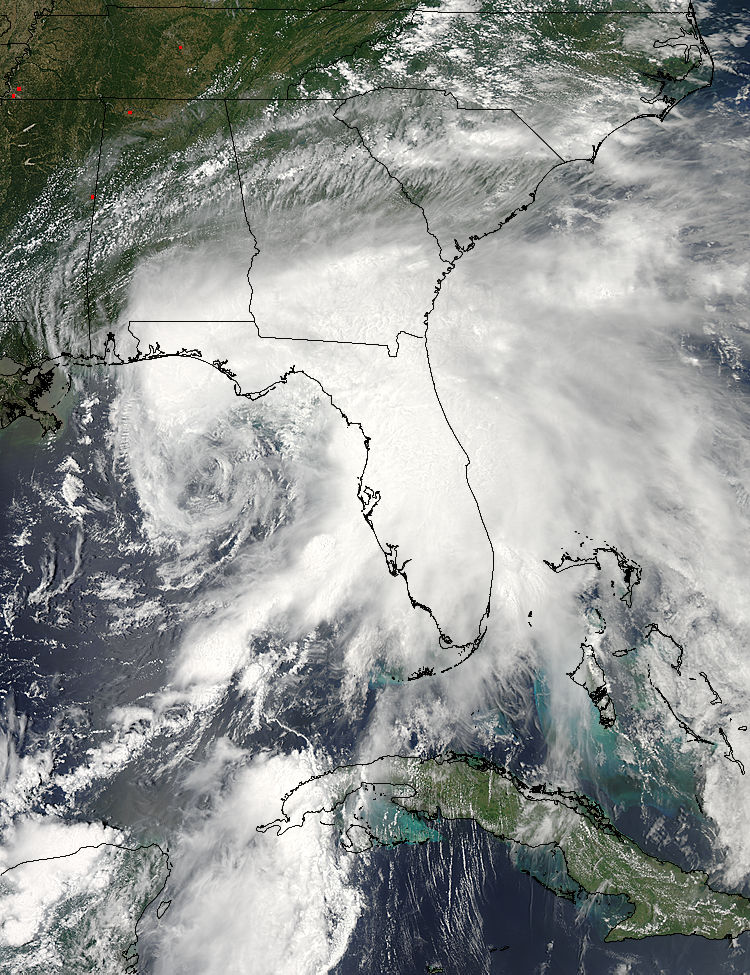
(80, 56)
(84, 56)
(615, 46)
(599, 858)
(31, 391)
(91, 926)
(77, 74)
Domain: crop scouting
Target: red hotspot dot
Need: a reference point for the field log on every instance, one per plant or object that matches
(13, 95)
(19, 88)
(130, 111)
(92, 196)
(179, 47)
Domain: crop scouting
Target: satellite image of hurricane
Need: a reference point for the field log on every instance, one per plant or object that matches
(375, 488)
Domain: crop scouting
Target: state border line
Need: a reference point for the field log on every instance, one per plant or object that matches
(491, 12)
(532, 129)
(261, 335)
(184, 99)
(176, 98)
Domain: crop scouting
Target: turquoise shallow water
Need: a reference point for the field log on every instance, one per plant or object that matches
(628, 769)
(393, 825)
